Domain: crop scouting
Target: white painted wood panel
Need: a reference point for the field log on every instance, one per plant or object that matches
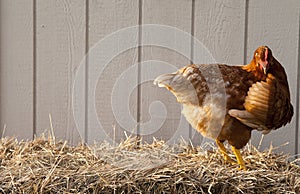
(109, 67)
(298, 129)
(60, 48)
(298, 148)
(275, 23)
(158, 122)
(219, 25)
(16, 74)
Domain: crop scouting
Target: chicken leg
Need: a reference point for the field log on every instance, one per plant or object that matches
(224, 151)
(239, 158)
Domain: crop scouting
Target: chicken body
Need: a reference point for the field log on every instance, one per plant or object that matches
(226, 102)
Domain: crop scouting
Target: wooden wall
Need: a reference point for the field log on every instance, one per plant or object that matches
(44, 68)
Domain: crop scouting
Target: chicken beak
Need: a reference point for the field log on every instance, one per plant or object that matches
(264, 65)
(265, 70)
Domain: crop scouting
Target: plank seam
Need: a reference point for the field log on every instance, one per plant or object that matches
(34, 78)
(86, 109)
(246, 31)
(297, 97)
(139, 92)
(192, 51)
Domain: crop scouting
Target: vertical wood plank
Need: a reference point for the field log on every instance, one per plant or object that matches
(219, 25)
(60, 48)
(277, 27)
(156, 60)
(111, 106)
(16, 60)
(297, 151)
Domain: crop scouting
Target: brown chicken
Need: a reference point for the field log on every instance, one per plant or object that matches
(227, 102)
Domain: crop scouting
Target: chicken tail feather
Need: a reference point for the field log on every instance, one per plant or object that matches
(164, 80)
(179, 85)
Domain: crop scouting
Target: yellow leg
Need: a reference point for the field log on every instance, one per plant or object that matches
(224, 151)
(239, 158)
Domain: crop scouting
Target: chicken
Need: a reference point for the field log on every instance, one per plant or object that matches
(226, 103)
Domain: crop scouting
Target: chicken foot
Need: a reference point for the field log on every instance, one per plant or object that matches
(239, 158)
(224, 151)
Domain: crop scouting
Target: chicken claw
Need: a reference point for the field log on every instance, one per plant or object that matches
(239, 158)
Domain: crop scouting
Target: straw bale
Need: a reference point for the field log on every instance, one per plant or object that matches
(45, 166)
